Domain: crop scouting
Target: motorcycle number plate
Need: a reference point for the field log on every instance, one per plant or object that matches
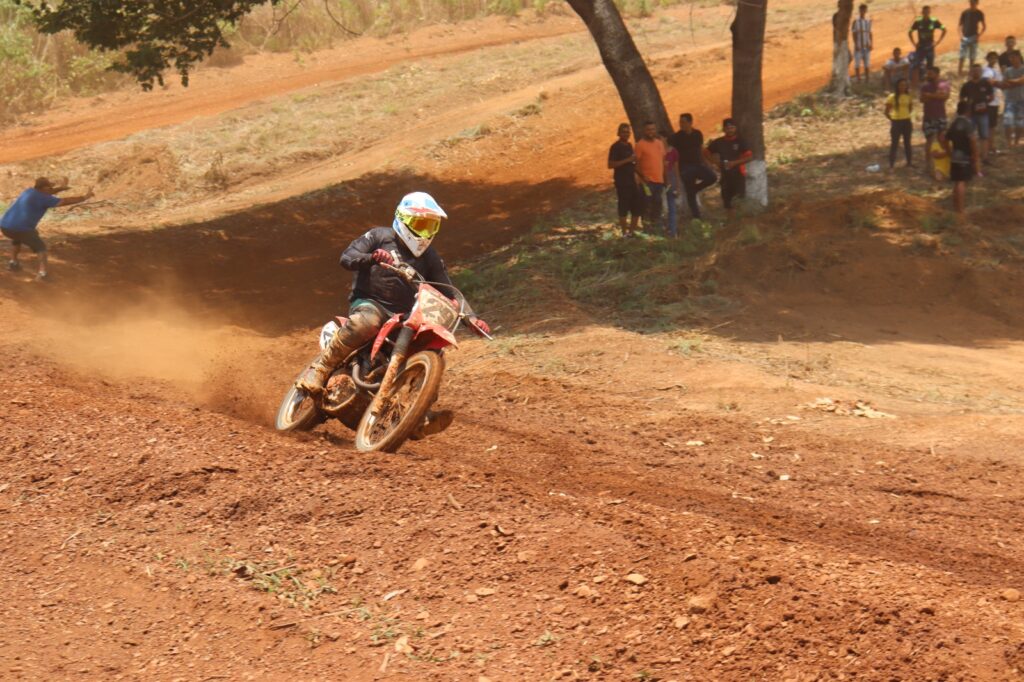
(436, 308)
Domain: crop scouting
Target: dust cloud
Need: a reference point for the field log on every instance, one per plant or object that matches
(160, 344)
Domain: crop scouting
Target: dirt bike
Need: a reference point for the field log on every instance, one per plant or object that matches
(384, 389)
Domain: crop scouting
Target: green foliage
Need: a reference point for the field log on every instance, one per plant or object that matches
(149, 36)
(642, 283)
(38, 68)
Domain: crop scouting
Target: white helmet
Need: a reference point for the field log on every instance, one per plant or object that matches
(418, 220)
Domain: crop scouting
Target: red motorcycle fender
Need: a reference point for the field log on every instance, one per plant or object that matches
(383, 334)
(443, 337)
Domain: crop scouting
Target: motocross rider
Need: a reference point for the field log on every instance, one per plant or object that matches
(377, 292)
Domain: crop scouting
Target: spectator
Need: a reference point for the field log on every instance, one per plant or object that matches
(673, 189)
(730, 154)
(994, 75)
(940, 159)
(924, 47)
(978, 93)
(1013, 85)
(20, 222)
(1011, 48)
(898, 108)
(622, 161)
(896, 68)
(863, 41)
(962, 148)
(694, 171)
(650, 169)
(971, 28)
(934, 93)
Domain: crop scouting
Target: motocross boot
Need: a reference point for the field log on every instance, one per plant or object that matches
(434, 422)
(313, 379)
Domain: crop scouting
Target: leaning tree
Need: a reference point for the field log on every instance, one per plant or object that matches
(153, 37)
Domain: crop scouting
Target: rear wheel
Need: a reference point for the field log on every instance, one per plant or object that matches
(298, 411)
(414, 392)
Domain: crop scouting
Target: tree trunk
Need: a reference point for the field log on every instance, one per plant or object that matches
(747, 103)
(636, 87)
(840, 85)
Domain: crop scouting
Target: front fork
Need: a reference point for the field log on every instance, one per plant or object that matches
(395, 367)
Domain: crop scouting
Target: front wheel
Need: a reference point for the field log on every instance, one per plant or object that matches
(298, 411)
(415, 390)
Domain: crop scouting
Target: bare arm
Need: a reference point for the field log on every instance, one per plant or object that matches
(71, 201)
(941, 37)
(622, 162)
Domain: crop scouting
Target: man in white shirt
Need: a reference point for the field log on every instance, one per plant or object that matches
(896, 68)
(995, 76)
(863, 41)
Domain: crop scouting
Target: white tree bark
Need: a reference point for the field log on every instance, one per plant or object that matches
(841, 84)
(757, 182)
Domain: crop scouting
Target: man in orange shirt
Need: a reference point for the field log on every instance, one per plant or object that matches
(650, 171)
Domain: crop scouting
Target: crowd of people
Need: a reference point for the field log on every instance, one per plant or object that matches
(990, 97)
(663, 167)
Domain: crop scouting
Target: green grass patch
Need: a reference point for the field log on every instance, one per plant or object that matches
(645, 283)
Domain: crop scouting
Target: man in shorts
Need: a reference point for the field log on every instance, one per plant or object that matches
(730, 154)
(934, 93)
(1013, 85)
(622, 161)
(896, 68)
(863, 41)
(962, 148)
(971, 27)
(978, 93)
(925, 27)
(20, 222)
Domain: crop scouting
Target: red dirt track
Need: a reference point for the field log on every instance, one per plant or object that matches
(605, 507)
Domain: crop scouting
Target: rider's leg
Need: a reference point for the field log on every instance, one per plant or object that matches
(365, 320)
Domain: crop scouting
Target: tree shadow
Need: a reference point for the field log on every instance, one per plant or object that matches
(274, 268)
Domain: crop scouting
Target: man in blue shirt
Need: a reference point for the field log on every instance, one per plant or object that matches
(21, 220)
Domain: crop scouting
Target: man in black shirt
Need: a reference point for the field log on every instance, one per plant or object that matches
(694, 171)
(732, 154)
(962, 149)
(978, 93)
(924, 47)
(972, 27)
(1011, 48)
(622, 161)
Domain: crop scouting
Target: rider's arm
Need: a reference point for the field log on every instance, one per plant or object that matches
(436, 271)
(358, 255)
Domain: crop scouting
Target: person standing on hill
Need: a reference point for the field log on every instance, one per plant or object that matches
(673, 190)
(962, 148)
(934, 93)
(730, 154)
(971, 27)
(1011, 48)
(1013, 85)
(978, 93)
(896, 68)
(650, 169)
(994, 75)
(925, 27)
(20, 222)
(622, 161)
(898, 109)
(694, 171)
(863, 41)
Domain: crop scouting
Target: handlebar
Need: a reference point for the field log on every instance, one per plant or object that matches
(414, 278)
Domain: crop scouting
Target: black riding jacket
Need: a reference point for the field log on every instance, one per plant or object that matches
(381, 285)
